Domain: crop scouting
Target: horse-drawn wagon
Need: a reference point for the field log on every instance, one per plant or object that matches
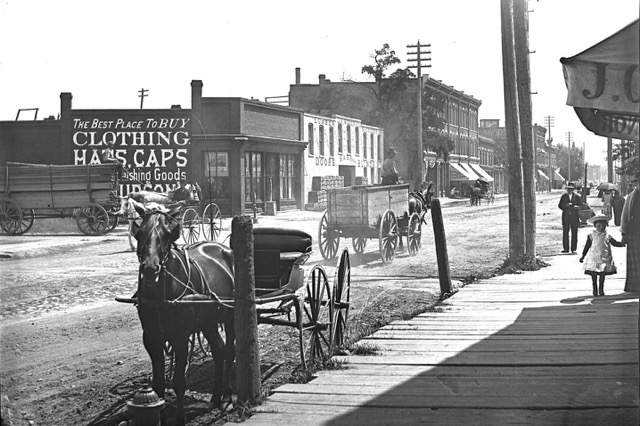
(189, 289)
(38, 191)
(382, 212)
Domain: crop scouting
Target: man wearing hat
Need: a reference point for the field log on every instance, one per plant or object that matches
(570, 206)
(109, 154)
(389, 171)
(630, 230)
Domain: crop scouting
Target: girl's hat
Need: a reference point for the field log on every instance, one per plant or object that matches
(598, 218)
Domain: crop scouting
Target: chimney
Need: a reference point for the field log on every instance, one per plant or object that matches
(65, 104)
(196, 98)
(321, 79)
(297, 76)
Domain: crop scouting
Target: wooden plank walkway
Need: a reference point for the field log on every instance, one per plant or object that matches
(532, 348)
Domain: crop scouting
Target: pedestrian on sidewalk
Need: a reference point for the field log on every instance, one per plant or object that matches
(630, 230)
(617, 203)
(599, 262)
(570, 205)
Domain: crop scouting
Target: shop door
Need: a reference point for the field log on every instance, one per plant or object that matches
(349, 174)
(271, 178)
(254, 179)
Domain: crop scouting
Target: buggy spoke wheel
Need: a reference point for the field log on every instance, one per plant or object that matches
(328, 238)
(388, 240)
(359, 244)
(340, 299)
(414, 234)
(10, 216)
(190, 226)
(211, 222)
(28, 217)
(92, 220)
(317, 315)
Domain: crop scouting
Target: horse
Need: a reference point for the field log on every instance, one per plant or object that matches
(420, 201)
(168, 275)
(477, 192)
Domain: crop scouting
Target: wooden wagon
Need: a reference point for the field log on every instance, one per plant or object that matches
(362, 212)
(38, 191)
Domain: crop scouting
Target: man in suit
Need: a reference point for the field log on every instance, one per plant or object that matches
(630, 230)
(570, 205)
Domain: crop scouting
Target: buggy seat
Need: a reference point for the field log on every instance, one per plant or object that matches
(276, 251)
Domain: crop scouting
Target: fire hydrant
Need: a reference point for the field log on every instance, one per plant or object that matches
(145, 408)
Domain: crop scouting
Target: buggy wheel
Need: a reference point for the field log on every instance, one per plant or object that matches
(318, 315)
(211, 222)
(414, 234)
(359, 244)
(113, 222)
(328, 238)
(10, 216)
(190, 226)
(388, 233)
(340, 300)
(92, 220)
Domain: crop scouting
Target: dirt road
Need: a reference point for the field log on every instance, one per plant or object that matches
(71, 355)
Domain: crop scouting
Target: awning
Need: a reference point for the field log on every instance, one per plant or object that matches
(480, 171)
(473, 175)
(602, 84)
(459, 173)
(542, 175)
(558, 176)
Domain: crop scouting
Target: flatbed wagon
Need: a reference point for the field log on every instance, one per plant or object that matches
(39, 191)
(369, 212)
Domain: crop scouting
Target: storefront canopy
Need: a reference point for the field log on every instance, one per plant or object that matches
(472, 175)
(603, 84)
(460, 174)
(481, 172)
(558, 176)
(542, 175)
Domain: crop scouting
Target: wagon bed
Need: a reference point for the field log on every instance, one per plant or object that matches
(31, 191)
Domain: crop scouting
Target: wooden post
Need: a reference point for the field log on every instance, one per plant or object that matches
(523, 79)
(246, 320)
(512, 123)
(441, 247)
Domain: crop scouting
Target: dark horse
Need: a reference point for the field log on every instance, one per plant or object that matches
(420, 201)
(167, 275)
(477, 191)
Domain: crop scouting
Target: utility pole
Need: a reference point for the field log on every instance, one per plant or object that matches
(142, 96)
(549, 122)
(609, 160)
(569, 143)
(416, 56)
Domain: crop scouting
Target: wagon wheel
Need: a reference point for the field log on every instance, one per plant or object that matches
(328, 238)
(113, 222)
(414, 234)
(388, 236)
(211, 222)
(318, 315)
(190, 226)
(359, 244)
(28, 217)
(340, 299)
(10, 216)
(92, 220)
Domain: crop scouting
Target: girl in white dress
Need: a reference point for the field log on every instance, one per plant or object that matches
(599, 261)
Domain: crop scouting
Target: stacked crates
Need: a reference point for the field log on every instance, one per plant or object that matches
(317, 197)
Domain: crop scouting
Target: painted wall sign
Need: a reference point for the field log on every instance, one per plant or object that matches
(154, 150)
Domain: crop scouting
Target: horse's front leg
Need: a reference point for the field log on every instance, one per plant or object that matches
(154, 344)
(130, 232)
(181, 348)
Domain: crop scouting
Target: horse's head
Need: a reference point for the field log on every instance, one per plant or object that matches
(156, 232)
(427, 194)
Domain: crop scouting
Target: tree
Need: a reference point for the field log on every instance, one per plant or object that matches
(577, 162)
(628, 152)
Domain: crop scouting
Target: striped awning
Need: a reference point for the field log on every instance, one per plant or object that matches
(473, 175)
(557, 176)
(480, 171)
(459, 173)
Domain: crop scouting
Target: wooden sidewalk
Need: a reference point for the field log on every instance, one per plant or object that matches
(532, 348)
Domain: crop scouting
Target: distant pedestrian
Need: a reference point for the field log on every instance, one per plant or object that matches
(570, 205)
(599, 261)
(617, 203)
(389, 171)
(630, 230)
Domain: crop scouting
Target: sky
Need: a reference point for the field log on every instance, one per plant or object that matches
(104, 53)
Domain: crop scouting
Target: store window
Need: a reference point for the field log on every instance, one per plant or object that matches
(364, 144)
(357, 140)
(216, 168)
(348, 138)
(340, 140)
(286, 176)
(321, 140)
(253, 177)
(311, 140)
(332, 148)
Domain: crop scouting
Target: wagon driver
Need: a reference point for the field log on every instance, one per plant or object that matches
(109, 154)
(389, 171)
